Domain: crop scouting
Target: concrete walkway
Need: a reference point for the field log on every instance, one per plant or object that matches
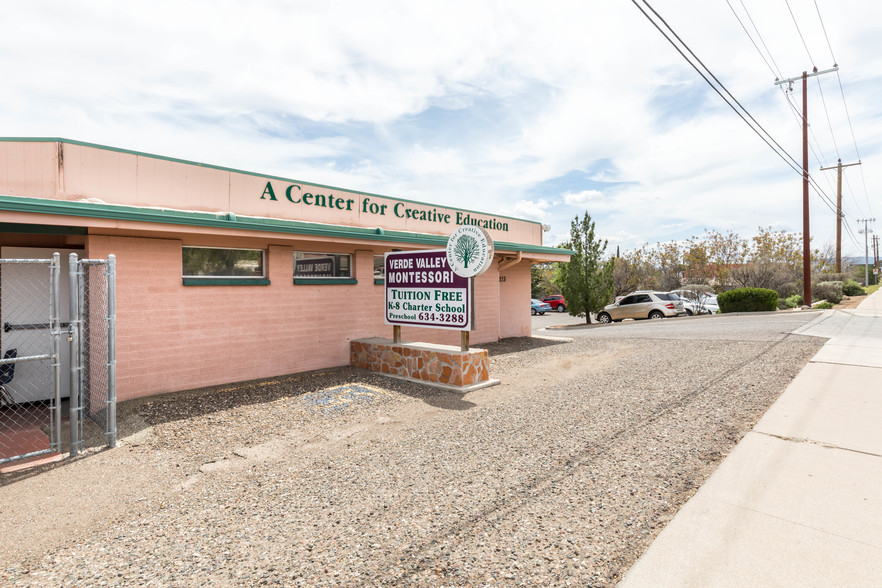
(798, 502)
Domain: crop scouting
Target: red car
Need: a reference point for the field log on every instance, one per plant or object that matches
(557, 302)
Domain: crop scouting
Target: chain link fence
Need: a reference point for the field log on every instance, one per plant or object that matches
(29, 396)
(56, 345)
(92, 338)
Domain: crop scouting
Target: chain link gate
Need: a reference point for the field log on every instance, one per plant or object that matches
(30, 367)
(93, 351)
(33, 378)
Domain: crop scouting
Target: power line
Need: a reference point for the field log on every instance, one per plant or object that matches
(780, 151)
(758, 129)
(750, 18)
(821, 159)
(811, 60)
(851, 193)
(746, 32)
(823, 28)
(845, 104)
(829, 123)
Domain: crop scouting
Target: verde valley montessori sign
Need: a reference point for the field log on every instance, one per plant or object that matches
(422, 290)
(373, 205)
(435, 288)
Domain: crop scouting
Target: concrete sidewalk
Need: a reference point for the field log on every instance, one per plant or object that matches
(798, 502)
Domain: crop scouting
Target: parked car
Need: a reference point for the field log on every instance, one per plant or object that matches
(710, 304)
(697, 302)
(557, 302)
(539, 307)
(689, 304)
(641, 305)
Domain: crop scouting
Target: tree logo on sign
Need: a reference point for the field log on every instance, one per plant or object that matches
(469, 251)
(466, 250)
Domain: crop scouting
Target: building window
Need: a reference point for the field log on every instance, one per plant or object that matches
(312, 267)
(379, 269)
(217, 266)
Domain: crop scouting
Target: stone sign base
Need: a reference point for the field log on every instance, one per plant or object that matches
(445, 366)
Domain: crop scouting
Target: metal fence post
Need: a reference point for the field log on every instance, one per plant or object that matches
(111, 350)
(75, 364)
(55, 334)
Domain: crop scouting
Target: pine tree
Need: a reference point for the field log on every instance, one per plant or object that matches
(586, 281)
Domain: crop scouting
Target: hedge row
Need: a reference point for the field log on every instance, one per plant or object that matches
(748, 300)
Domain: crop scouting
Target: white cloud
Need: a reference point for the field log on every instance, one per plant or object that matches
(469, 104)
(533, 210)
(583, 197)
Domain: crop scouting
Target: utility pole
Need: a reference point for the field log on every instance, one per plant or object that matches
(806, 230)
(876, 257)
(838, 168)
(866, 230)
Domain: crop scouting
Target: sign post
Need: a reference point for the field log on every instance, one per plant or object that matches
(435, 288)
(469, 254)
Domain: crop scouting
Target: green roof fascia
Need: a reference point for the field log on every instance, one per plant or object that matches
(237, 171)
(230, 221)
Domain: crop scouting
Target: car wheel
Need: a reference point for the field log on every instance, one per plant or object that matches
(561, 308)
(688, 312)
(604, 317)
(656, 314)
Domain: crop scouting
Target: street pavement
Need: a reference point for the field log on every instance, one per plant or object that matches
(798, 502)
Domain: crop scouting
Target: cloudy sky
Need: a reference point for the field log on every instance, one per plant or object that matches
(526, 109)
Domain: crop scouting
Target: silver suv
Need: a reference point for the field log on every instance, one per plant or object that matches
(643, 304)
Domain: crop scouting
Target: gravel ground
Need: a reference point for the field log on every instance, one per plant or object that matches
(560, 476)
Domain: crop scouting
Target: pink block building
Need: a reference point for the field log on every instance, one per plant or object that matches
(226, 275)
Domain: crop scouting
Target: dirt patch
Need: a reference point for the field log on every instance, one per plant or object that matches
(850, 302)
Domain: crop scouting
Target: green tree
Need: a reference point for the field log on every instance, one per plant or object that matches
(542, 280)
(586, 281)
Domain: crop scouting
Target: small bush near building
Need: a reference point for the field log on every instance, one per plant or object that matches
(823, 305)
(748, 300)
(852, 288)
(829, 291)
(793, 301)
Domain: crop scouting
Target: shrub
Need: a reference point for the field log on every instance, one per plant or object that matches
(833, 276)
(852, 288)
(793, 301)
(829, 291)
(748, 300)
(823, 305)
(788, 289)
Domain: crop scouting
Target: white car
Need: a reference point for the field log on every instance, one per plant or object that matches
(697, 302)
(710, 304)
